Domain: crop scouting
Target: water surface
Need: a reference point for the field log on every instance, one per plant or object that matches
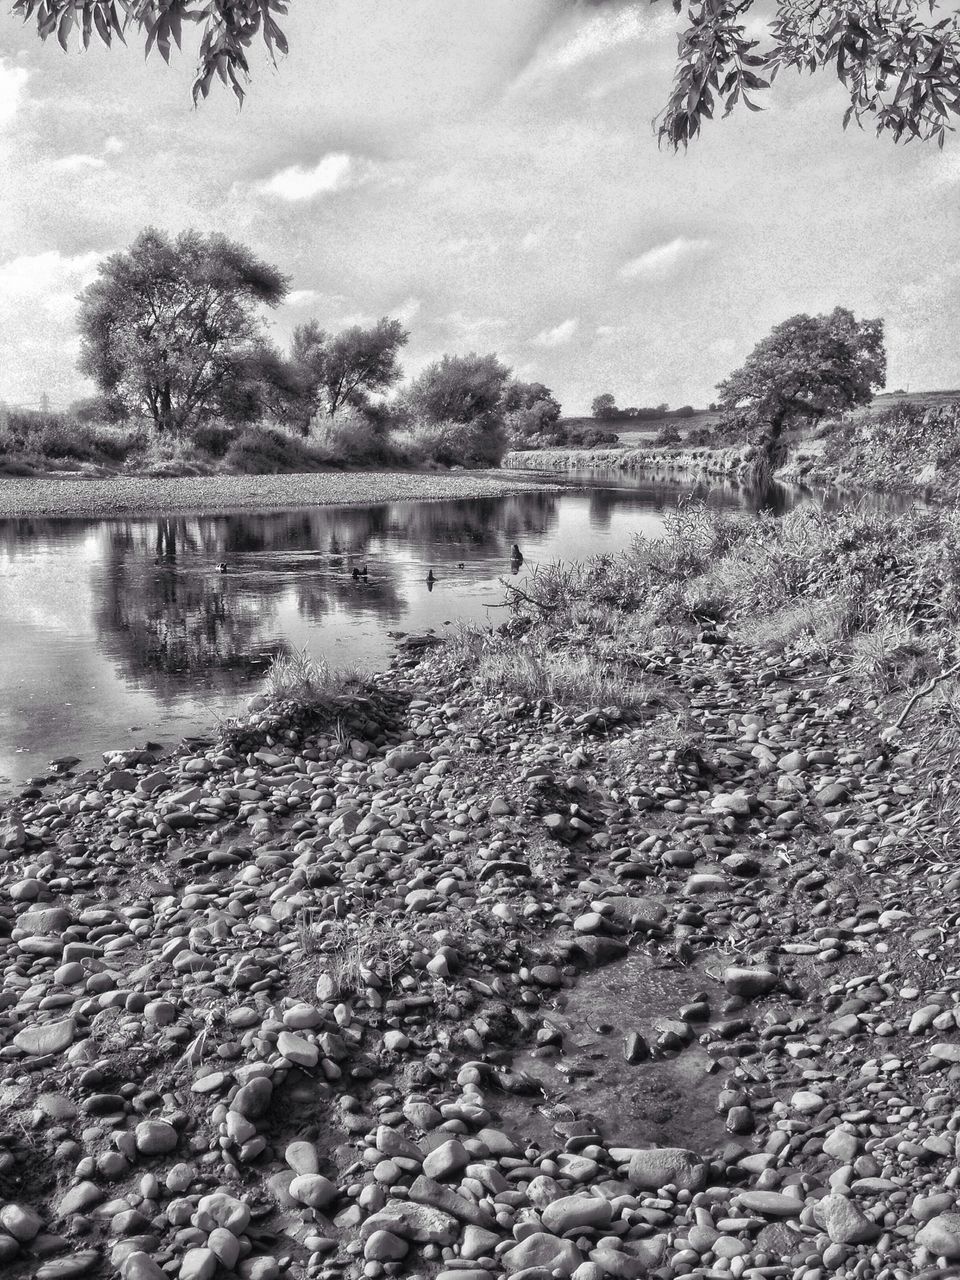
(115, 632)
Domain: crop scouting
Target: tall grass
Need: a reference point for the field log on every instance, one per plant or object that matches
(876, 596)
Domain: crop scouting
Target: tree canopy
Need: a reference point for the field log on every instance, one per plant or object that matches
(898, 60)
(460, 389)
(172, 328)
(807, 367)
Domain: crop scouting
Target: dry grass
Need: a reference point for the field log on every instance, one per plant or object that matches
(296, 677)
(596, 673)
(355, 955)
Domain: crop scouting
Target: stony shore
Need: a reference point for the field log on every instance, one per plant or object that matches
(732, 463)
(439, 983)
(144, 495)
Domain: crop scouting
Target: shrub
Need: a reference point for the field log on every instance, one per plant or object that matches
(214, 438)
(590, 437)
(481, 443)
(668, 435)
(351, 437)
(267, 451)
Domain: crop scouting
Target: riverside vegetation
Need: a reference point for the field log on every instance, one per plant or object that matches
(615, 941)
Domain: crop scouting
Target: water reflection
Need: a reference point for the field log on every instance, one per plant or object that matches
(115, 630)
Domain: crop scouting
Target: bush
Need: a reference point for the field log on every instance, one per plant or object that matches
(667, 435)
(37, 438)
(268, 451)
(214, 438)
(481, 443)
(590, 437)
(350, 437)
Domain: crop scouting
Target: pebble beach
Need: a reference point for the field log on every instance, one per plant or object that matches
(299, 1001)
(145, 495)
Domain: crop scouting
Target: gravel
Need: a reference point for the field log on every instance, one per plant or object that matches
(144, 495)
(275, 1006)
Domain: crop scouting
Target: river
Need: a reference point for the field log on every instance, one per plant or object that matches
(119, 631)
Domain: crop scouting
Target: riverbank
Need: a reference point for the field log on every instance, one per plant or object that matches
(615, 942)
(729, 463)
(912, 449)
(144, 495)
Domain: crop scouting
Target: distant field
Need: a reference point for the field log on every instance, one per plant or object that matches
(636, 434)
(632, 432)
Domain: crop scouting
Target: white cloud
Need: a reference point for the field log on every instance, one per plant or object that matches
(407, 311)
(558, 336)
(37, 320)
(664, 260)
(112, 145)
(78, 163)
(12, 83)
(336, 171)
(48, 280)
(303, 297)
(575, 43)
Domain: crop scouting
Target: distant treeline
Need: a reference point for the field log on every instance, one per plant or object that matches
(604, 408)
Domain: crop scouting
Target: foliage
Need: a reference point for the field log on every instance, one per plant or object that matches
(266, 451)
(898, 60)
(41, 440)
(590, 437)
(331, 371)
(350, 435)
(604, 406)
(170, 326)
(806, 368)
(481, 443)
(668, 435)
(228, 28)
(606, 409)
(460, 389)
(532, 412)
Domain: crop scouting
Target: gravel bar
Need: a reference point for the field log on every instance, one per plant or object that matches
(143, 495)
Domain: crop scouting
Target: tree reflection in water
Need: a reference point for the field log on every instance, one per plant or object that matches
(166, 615)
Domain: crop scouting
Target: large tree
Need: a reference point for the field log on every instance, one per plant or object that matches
(346, 368)
(170, 325)
(898, 60)
(460, 389)
(806, 368)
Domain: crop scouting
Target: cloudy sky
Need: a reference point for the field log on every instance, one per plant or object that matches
(486, 172)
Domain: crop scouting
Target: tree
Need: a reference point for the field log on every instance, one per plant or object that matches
(460, 389)
(807, 367)
(604, 407)
(898, 60)
(333, 371)
(169, 325)
(359, 361)
(531, 409)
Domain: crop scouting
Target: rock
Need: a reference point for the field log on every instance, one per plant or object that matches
(156, 1137)
(749, 983)
(20, 1221)
(140, 1266)
(843, 1221)
(941, 1235)
(561, 1216)
(221, 1210)
(48, 1037)
(446, 1161)
(772, 1204)
(666, 1166)
(420, 1223)
(313, 1190)
(384, 1246)
(546, 1252)
(253, 1098)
